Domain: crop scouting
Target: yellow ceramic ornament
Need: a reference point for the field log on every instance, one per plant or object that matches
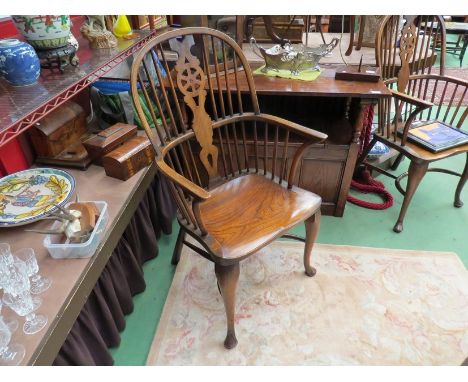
(122, 26)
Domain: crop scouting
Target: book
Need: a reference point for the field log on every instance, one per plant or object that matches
(435, 135)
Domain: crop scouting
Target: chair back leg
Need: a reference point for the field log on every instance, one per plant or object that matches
(365, 152)
(397, 161)
(178, 246)
(415, 174)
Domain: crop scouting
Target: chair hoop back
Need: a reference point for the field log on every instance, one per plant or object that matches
(411, 48)
(195, 77)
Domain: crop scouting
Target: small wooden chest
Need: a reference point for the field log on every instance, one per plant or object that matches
(59, 130)
(107, 140)
(127, 159)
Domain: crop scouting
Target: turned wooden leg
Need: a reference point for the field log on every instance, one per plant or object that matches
(312, 226)
(351, 36)
(178, 246)
(366, 152)
(397, 162)
(415, 174)
(458, 203)
(227, 276)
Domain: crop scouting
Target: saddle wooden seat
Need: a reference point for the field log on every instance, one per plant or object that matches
(257, 210)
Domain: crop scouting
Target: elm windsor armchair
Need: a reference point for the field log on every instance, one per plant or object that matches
(231, 168)
(419, 96)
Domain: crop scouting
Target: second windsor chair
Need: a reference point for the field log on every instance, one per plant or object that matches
(420, 96)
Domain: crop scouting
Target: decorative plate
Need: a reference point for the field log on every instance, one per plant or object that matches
(28, 195)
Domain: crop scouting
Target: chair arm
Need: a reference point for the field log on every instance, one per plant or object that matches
(418, 102)
(314, 135)
(455, 80)
(189, 186)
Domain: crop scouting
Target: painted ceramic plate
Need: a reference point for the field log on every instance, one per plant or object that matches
(27, 196)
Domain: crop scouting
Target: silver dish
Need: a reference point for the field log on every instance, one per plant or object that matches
(292, 57)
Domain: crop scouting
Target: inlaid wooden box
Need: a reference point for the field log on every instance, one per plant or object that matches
(107, 140)
(59, 130)
(127, 159)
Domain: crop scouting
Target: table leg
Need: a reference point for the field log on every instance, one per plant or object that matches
(360, 111)
(463, 49)
(351, 36)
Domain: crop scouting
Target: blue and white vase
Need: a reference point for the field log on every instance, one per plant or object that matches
(19, 64)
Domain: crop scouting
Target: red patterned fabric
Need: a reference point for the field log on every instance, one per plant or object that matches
(363, 182)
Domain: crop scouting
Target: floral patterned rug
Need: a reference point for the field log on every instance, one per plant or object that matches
(365, 306)
(445, 97)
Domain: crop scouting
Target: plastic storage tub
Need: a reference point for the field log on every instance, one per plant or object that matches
(81, 250)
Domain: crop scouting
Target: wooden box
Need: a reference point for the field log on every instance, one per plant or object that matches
(352, 73)
(108, 139)
(59, 130)
(127, 159)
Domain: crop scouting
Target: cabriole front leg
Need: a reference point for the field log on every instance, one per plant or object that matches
(227, 276)
(416, 172)
(312, 226)
(458, 202)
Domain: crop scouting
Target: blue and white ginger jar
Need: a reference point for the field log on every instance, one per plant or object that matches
(19, 64)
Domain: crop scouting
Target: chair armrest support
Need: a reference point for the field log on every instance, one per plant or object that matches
(312, 136)
(296, 160)
(418, 102)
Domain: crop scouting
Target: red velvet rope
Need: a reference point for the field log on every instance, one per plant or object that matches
(364, 181)
(370, 185)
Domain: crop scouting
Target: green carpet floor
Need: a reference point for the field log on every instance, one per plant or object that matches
(432, 223)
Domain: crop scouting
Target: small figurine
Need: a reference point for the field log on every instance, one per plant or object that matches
(95, 31)
(122, 26)
(97, 19)
(78, 221)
